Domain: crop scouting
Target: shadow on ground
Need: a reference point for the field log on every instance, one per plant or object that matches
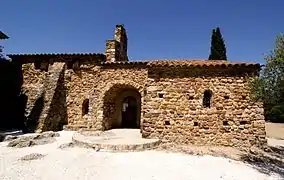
(271, 161)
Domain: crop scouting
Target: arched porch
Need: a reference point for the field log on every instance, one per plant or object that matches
(121, 107)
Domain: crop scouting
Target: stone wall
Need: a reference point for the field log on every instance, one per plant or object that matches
(172, 101)
(33, 85)
(79, 85)
(98, 83)
(45, 109)
(174, 111)
(54, 114)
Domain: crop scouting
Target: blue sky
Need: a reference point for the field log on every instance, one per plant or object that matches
(157, 29)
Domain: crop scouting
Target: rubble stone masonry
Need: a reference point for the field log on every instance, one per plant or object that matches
(174, 110)
(97, 84)
(46, 101)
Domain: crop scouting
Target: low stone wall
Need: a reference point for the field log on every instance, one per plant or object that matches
(174, 110)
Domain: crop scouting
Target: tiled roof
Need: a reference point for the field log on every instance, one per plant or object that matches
(200, 63)
(53, 54)
(124, 63)
(186, 63)
(149, 63)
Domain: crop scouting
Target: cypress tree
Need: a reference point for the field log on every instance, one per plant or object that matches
(213, 53)
(218, 48)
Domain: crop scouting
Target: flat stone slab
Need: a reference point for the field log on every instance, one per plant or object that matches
(115, 140)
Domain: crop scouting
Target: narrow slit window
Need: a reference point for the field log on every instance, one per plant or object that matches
(161, 95)
(85, 107)
(207, 96)
(227, 97)
(190, 97)
(225, 123)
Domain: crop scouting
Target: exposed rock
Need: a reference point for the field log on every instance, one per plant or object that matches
(10, 137)
(48, 134)
(32, 156)
(80, 145)
(20, 143)
(32, 140)
(43, 141)
(67, 145)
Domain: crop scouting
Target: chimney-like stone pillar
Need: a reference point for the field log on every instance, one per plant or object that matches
(112, 51)
(121, 37)
(116, 50)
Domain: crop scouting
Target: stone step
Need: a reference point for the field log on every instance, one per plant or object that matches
(115, 140)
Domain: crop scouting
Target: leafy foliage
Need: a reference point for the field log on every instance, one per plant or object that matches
(269, 87)
(276, 113)
(218, 49)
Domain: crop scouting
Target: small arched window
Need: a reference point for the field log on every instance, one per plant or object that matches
(207, 98)
(85, 107)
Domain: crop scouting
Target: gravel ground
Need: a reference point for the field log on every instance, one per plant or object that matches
(81, 163)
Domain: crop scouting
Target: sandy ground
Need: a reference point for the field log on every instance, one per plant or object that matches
(81, 163)
(275, 130)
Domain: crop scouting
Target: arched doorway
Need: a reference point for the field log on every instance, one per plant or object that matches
(122, 107)
(129, 113)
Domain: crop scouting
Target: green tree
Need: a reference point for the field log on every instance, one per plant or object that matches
(269, 86)
(218, 48)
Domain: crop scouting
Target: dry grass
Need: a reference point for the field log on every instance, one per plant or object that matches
(275, 130)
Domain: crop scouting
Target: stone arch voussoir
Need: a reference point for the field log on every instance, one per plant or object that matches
(132, 84)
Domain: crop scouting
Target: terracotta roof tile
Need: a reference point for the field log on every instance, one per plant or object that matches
(125, 63)
(200, 63)
(151, 63)
(53, 54)
(186, 63)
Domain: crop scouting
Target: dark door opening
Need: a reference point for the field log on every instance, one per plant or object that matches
(129, 113)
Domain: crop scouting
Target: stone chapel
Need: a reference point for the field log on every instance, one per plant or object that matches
(200, 102)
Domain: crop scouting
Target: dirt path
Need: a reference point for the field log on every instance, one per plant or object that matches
(83, 163)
